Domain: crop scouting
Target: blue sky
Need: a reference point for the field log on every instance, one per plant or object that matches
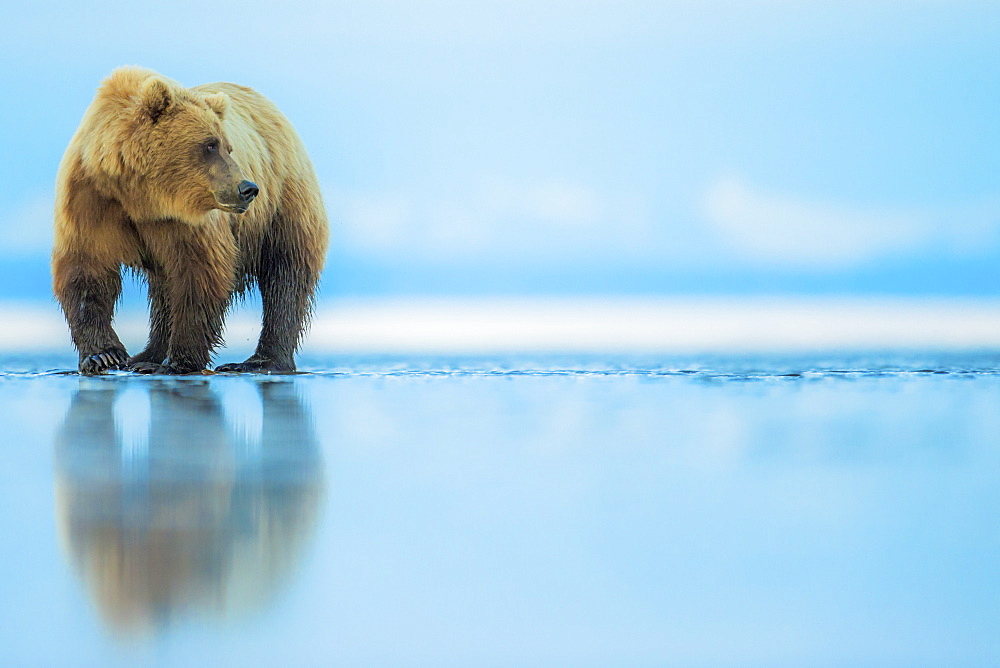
(473, 148)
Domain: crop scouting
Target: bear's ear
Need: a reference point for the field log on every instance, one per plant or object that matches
(156, 97)
(218, 102)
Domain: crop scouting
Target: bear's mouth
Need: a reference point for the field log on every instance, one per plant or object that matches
(240, 200)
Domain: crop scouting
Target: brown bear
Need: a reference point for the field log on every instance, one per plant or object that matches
(201, 191)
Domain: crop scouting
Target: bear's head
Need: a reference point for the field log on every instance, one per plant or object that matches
(174, 158)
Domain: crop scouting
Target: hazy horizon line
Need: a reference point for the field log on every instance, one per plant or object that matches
(582, 325)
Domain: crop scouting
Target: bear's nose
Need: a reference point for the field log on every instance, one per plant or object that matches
(248, 190)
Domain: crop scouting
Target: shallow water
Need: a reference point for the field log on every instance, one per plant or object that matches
(837, 510)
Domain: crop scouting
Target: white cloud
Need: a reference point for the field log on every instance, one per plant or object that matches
(553, 218)
(27, 228)
(788, 231)
(383, 220)
(564, 204)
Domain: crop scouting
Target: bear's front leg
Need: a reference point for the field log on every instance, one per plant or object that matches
(200, 274)
(196, 329)
(88, 300)
(151, 359)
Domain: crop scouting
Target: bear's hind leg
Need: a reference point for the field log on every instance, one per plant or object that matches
(287, 281)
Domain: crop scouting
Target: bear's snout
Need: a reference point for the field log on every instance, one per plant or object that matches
(247, 190)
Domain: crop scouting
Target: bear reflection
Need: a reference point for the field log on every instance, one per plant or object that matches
(190, 511)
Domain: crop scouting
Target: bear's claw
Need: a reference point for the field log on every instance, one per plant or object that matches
(146, 367)
(161, 369)
(101, 362)
(256, 365)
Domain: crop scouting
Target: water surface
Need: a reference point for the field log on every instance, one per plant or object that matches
(811, 510)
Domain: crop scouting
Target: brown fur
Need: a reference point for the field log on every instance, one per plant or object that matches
(140, 186)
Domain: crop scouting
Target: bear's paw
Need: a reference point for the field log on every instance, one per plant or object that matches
(257, 365)
(113, 358)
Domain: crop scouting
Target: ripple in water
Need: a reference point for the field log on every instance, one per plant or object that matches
(706, 368)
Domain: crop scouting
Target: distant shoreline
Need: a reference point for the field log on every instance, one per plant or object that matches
(583, 325)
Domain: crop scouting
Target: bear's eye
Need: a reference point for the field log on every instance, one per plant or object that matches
(212, 147)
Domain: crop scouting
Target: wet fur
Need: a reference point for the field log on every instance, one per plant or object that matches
(131, 193)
